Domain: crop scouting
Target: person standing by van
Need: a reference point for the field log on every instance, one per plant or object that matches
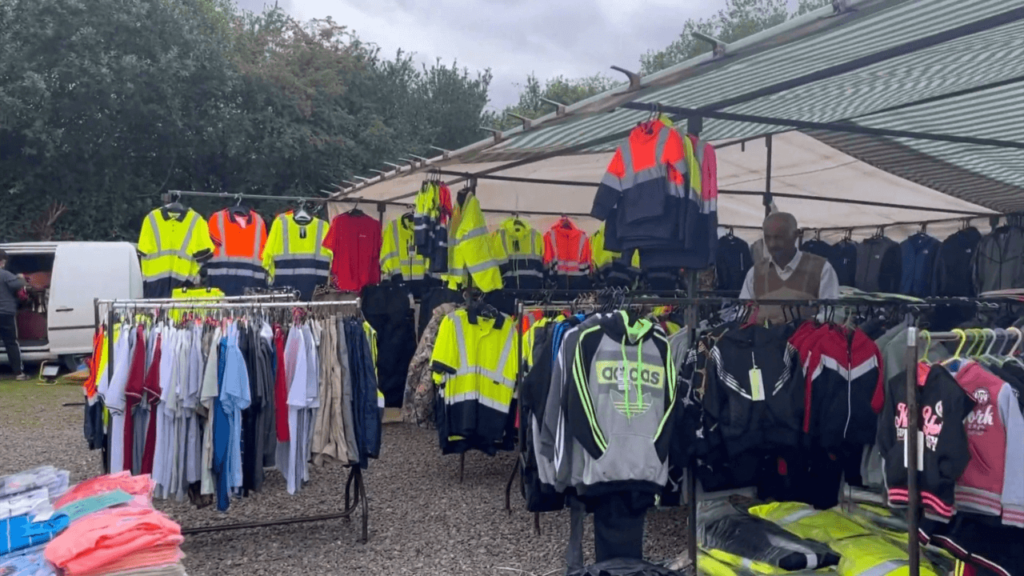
(10, 285)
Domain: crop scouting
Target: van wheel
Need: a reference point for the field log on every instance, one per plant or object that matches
(70, 362)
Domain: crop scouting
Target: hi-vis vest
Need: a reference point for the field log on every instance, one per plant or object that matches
(295, 255)
(520, 250)
(399, 259)
(171, 247)
(474, 362)
(864, 552)
(470, 251)
(237, 261)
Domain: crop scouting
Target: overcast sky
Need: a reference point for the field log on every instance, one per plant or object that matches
(512, 37)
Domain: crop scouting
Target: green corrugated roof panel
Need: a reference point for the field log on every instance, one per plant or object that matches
(864, 95)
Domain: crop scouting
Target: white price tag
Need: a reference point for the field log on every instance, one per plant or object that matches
(920, 451)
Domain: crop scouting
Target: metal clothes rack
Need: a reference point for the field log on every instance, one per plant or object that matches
(355, 479)
(911, 307)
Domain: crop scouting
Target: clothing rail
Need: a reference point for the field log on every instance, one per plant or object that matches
(185, 304)
(692, 305)
(270, 296)
(97, 302)
(239, 196)
(355, 477)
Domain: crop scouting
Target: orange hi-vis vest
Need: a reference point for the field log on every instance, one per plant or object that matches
(237, 261)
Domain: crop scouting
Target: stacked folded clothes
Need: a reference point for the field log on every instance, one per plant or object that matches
(103, 526)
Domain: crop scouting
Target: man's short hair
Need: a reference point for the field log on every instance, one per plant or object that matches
(786, 217)
(3, 255)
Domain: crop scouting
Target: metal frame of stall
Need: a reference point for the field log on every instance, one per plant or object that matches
(355, 479)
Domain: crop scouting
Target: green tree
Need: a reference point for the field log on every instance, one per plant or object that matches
(738, 19)
(104, 104)
(558, 89)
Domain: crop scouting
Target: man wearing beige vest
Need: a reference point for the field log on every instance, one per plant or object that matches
(786, 273)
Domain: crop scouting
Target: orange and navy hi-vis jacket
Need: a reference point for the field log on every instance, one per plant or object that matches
(237, 261)
(652, 192)
(567, 256)
(644, 172)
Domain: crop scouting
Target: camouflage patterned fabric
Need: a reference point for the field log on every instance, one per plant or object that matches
(418, 407)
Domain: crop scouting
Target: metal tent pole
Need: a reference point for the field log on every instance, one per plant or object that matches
(767, 201)
(914, 493)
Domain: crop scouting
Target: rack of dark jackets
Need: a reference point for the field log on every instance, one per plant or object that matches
(711, 307)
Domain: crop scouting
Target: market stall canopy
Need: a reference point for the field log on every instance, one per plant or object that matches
(801, 165)
(952, 68)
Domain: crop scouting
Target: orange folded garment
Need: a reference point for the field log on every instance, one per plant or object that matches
(135, 485)
(96, 541)
(154, 557)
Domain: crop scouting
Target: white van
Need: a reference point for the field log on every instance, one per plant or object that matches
(60, 322)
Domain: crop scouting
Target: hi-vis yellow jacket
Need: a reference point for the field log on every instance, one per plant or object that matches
(470, 255)
(399, 260)
(864, 551)
(474, 361)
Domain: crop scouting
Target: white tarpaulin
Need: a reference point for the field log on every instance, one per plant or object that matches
(800, 165)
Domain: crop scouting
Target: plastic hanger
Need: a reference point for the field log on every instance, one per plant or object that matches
(987, 354)
(1012, 354)
(924, 355)
(956, 355)
(355, 211)
(175, 204)
(239, 209)
(301, 216)
(979, 342)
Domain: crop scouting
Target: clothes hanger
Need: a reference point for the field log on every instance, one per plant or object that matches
(979, 341)
(1012, 354)
(175, 206)
(355, 211)
(956, 355)
(239, 209)
(987, 354)
(928, 344)
(301, 216)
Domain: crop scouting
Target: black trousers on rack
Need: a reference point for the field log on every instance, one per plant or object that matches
(387, 309)
(619, 524)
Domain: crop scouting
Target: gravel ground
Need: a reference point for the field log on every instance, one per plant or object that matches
(422, 520)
